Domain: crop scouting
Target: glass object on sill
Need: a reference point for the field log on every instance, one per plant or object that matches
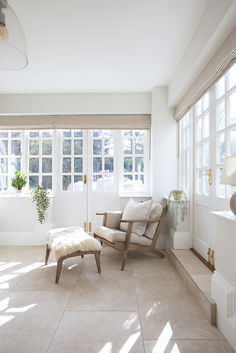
(33, 181)
(97, 147)
(3, 147)
(97, 183)
(33, 165)
(233, 142)
(128, 164)
(47, 147)
(78, 133)
(109, 164)
(34, 134)
(78, 165)
(109, 147)
(47, 181)
(232, 76)
(139, 147)
(15, 165)
(34, 147)
(127, 146)
(3, 134)
(97, 133)
(47, 133)
(66, 165)
(139, 183)
(78, 183)
(109, 182)
(78, 147)
(232, 108)
(220, 87)
(16, 134)
(97, 164)
(66, 133)
(66, 147)
(220, 115)
(47, 165)
(3, 183)
(139, 164)
(66, 183)
(128, 182)
(3, 165)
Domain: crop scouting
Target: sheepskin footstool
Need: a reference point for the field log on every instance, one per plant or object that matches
(70, 242)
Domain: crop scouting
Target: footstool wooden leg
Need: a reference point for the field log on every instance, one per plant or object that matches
(82, 256)
(97, 258)
(59, 266)
(47, 254)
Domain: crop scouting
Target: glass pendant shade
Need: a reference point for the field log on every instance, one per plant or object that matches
(13, 50)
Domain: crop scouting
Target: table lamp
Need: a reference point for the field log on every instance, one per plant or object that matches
(229, 178)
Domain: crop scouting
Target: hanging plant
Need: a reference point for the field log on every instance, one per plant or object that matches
(41, 196)
(181, 205)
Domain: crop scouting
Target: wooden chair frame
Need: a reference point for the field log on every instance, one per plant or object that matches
(77, 253)
(124, 247)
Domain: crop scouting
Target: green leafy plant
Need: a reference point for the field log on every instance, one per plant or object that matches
(19, 180)
(181, 205)
(41, 197)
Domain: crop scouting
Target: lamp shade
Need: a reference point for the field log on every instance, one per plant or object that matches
(13, 50)
(229, 171)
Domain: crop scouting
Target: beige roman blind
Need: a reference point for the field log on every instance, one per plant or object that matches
(224, 58)
(119, 121)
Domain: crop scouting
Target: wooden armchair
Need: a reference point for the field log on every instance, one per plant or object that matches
(110, 233)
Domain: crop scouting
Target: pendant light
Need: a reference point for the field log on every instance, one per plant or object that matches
(13, 51)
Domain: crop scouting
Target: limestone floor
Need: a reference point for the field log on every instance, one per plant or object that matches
(146, 308)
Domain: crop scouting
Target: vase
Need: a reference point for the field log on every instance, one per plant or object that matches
(177, 196)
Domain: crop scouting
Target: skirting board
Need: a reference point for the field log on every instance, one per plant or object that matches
(180, 240)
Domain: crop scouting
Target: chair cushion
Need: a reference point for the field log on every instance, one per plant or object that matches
(156, 211)
(113, 219)
(65, 241)
(114, 235)
(136, 210)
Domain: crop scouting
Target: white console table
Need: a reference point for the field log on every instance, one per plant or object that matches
(223, 286)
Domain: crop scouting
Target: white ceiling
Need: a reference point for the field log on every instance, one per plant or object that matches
(105, 45)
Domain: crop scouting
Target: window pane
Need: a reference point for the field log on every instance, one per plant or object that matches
(199, 129)
(232, 108)
(16, 134)
(206, 126)
(97, 164)
(67, 147)
(128, 164)
(198, 107)
(3, 147)
(15, 164)
(127, 146)
(66, 133)
(108, 133)
(199, 182)
(97, 133)
(3, 134)
(16, 147)
(128, 182)
(66, 183)
(47, 181)
(97, 147)
(232, 76)
(34, 147)
(3, 165)
(220, 115)
(139, 183)
(66, 165)
(205, 154)
(109, 147)
(109, 164)
(139, 147)
(78, 133)
(47, 165)
(47, 147)
(78, 165)
(205, 101)
(199, 156)
(97, 183)
(139, 164)
(34, 165)
(220, 87)
(127, 133)
(33, 181)
(78, 147)
(139, 133)
(34, 134)
(220, 148)
(109, 182)
(78, 183)
(233, 142)
(3, 182)
(220, 187)
(47, 134)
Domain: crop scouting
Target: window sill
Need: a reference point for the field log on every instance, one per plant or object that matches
(23, 195)
(135, 195)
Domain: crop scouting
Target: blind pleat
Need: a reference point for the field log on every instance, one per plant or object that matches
(124, 121)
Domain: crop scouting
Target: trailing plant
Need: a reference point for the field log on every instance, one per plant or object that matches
(19, 180)
(41, 196)
(181, 205)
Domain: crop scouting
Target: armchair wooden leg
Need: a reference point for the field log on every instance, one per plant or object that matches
(125, 253)
(59, 266)
(158, 253)
(82, 256)
(97, 258)
(47, 254)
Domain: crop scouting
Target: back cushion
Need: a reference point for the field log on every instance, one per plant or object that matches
(136, 210)
(113, 219)
(156, 211)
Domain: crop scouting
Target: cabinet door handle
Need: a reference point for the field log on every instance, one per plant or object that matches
(209, 176)
(85, 226)
(90, 227)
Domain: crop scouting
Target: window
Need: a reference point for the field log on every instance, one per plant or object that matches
(135, 161)
(10, 157)
(185, 130)
(72, 160)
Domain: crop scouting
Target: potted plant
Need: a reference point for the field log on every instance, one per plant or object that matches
(20, 179)
(181, 205)
(41, 197)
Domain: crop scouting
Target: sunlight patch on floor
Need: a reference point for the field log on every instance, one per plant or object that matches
(163, 339)
(107, 348)
(29, 268)
(129, 343)
(8, 265)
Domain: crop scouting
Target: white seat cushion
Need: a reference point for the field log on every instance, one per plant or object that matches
(114, 235)
(65, 241)
(136, 210)
(156, 211)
